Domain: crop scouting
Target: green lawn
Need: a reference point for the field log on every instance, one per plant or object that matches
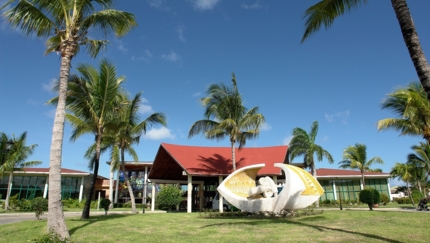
(328, 226)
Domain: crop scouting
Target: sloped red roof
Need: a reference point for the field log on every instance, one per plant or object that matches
(171, 160)
(323, 172)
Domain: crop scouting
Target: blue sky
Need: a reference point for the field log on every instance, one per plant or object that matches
(337, 77)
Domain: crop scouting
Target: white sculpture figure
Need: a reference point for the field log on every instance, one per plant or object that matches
(301, 189)
(266, 186)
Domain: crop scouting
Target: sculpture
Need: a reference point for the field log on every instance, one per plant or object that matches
(301, 189)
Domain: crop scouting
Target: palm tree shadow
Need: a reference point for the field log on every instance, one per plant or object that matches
(216, 164)
(94, 219)
(258, 221)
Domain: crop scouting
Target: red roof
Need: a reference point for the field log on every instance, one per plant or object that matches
(172, 159)
(64, 171)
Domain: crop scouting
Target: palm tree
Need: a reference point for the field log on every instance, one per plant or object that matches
(420, 162)
(413, 109)
(303, 144)
(128, 133)
(225, 115)
(355, 157)
(15, 160)
(403, 172)
(95, 101)
(326, 11)
(66, 24)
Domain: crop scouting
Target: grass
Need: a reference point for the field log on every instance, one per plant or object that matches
(324, 226)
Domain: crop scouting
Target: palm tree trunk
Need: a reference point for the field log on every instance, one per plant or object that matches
(410, 194)
(111, 180)
(233, 156)
(314, 174)
(412, 42)
(87, 207)
(127, 181)
(9, 184)
(362, 179)
(56, 220)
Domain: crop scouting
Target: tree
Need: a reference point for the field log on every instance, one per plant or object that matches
(370, 196)
(226, 115)
(15, 160)
(95, 101)
(412, 108)
(355, 157)
(326, 11)
(420, 164)
(303, 144)
(128, 133)
(67, 25)
(404, 173)
(169, 196)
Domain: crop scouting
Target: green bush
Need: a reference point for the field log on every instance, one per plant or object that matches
(403, 200)
(24, 205)
(39, 205)
(72, 203)
(384, 198)
(369, 196)
(104, 203)
(169, 196)
(417, 195)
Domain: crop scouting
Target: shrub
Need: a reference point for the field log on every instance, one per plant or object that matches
(24, 205)
(369, 196)
(169, 196)
(384, 198)
(104, 203)
(39, 205)
(403, 200)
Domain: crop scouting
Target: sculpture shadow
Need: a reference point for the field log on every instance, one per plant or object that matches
(216, 164)
(258, 221)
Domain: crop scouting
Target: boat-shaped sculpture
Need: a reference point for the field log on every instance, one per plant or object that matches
(240, 189)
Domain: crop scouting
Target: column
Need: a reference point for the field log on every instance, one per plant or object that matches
(145, 185)
(389, 190)
(81, 189)
(334, 190)
(361, 184)
(189, 193)
(177, 206)
(153, 197)
(116, 186)
(45, 191)
(221, 201)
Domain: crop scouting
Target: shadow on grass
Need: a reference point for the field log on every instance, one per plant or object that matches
(260, 221)
(94, 219)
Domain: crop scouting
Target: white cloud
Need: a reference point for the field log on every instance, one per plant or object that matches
(50, 113)
(158, 134)
(254, 6)
(180, 31)
(32, 102)
(158, 4)
(287, 140)
(120, 45)
(204, 4)
(147, 55)
(343, 116)
(197, 94)
(266, 127)
(172, 57)
(144, 107)
(48, 86)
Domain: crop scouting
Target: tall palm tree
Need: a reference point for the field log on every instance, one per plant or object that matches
(403, 172)
(411, 106)
(15, 160)
(420, 162)
(95, 101)
(355, 157)
(225, 115)
(303, 144)
(128, 133)
(326, 11)
(68, 25)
